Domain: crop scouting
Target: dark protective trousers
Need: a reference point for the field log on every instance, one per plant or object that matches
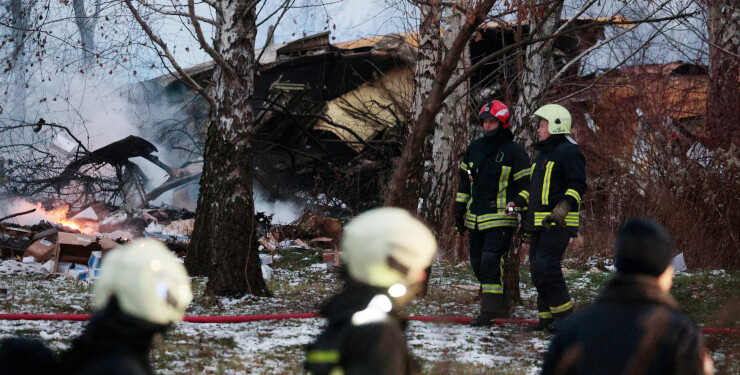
(486, 249)
(546, 249)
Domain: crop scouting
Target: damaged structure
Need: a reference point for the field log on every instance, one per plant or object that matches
(330, 117)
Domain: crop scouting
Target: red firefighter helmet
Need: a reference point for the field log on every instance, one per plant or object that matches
(497, 110)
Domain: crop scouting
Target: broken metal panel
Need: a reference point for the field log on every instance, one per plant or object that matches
(134, 195)
(370, 109)
(116, 154)
(310, 45)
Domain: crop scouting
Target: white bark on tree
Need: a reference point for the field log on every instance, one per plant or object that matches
(449, 139)
(223, 245)
(427, 59)
(86, 27)
(537, 70)
(18, 92)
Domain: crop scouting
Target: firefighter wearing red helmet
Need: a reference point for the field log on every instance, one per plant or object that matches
(493, 171)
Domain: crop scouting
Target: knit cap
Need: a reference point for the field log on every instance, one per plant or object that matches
(643, 247)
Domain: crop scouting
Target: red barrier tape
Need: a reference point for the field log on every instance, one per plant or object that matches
(256, 318)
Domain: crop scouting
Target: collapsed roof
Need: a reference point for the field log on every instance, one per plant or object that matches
(319, 104)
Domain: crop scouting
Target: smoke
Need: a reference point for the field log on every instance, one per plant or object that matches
(283, 212)
(12, 206)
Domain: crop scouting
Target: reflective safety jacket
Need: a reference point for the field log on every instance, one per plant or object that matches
(493, 171)
(359, 339)
(558, 172)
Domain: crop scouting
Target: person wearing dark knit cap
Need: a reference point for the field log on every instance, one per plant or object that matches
(634, 326)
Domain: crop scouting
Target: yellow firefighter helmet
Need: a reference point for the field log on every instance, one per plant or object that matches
(387, 246)
(148, 281)
(558, 118)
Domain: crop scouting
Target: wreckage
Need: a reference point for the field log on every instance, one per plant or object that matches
(330, 117)
(129, 181)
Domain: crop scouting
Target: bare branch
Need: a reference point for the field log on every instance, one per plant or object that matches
(598, 45)
(463, 77)
(188, 80)
(597, 79)
(575, 17)
(161, 10)
(271, 32)
(213, 4)
(206, 46)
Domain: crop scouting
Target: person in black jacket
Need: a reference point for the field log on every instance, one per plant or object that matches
(634, 327)
(386, 252)
(26, 356)
(493, 171)
(141, 292)
(553, 199)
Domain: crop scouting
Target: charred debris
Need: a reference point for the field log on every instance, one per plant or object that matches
(332, 117)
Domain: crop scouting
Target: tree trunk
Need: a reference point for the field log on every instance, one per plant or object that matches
(408, 167)
(18, 91)
(223, 245)
(723, 97)
(536, 72)
(448, 142)
(86, 27)
(427, 59)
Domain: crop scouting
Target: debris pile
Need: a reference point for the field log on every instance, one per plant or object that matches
(310, 231)
(74, 243)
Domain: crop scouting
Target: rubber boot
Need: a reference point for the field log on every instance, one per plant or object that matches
(493, 306)
(542, 325)
(558, 320)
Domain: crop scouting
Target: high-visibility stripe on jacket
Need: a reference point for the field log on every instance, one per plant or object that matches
(374, 344)
(493, 171)
(558, 173)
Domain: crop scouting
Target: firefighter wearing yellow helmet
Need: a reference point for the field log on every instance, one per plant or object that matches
(386, 252)
(553, 199)
(142, 290)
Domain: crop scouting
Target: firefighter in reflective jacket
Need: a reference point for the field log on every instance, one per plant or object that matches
(493, 171)
(558, 181)
(386, 252)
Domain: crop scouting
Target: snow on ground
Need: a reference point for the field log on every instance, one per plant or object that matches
(12, 268)
(277, 347)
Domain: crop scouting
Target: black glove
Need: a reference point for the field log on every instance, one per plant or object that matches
(460, 224)
(558, 214)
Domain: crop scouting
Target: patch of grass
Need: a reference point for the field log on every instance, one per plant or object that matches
(295, 258)
(186, 354)
(450, 367)
(709, 297)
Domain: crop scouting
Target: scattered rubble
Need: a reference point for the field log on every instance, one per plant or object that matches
(72, 243)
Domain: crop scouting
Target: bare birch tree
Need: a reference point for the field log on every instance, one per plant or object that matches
(86, 25)
(537, 68)
(451, 130)
(223, 245)
(398, 193)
